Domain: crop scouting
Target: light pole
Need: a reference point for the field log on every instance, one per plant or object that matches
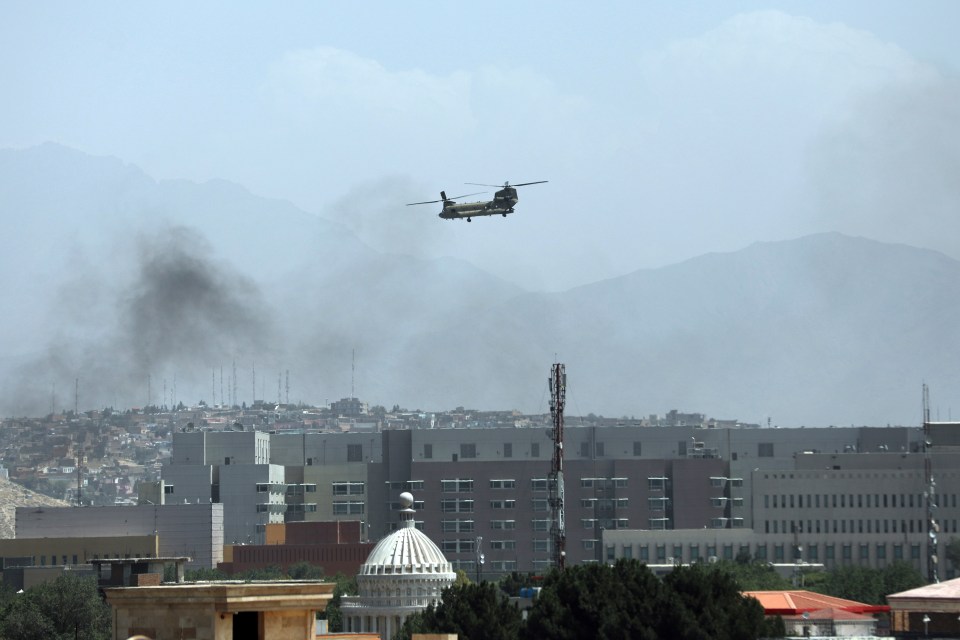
(926, 623)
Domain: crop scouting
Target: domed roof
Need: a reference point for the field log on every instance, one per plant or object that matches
(406, 551)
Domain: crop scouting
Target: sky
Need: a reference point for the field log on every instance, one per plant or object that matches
(665, 130)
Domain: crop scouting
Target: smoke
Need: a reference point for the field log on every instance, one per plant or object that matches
(888, 171)
(377, 213)
(180, 315)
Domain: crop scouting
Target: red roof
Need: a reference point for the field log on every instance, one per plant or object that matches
(787, 603)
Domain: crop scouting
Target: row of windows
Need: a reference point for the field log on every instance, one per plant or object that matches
(845, 500)
(348, 488)
(780, 552)
(468, 450)
(855, 526)
(347, 507)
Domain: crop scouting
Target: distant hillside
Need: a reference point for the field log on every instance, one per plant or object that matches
(13, 495)
(822, 330)
(123, 289)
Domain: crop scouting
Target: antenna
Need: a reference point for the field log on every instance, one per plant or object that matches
(253, 401)
(353, 371)
(234, 383)
(53, 399)
(288, 386)
(213, 387)
(222, 399)
(558, 394)
(932, 527)
(149, 389)
(279, 380)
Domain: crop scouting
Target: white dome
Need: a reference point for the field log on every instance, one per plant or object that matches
(406, 551)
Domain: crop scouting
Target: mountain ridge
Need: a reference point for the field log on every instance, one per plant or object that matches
(172, 280)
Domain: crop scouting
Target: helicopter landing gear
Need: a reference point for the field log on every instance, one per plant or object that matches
(469, 220)
(504, 215)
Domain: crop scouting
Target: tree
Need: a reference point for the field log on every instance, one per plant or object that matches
(345, 586)
(754, 575)
(304, 571)
(68, 607)
(900, 576)
(626, 600)
(953, 552)
(476, 611)
(854, 582)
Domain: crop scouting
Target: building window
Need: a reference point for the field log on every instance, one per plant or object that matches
(464, 545)
(468, 450)
(428, 451)
(507, 449)
(599, 449)
(456, 505)
(628, 551)
(637, 448)
(538, 484)
(656, 484)
(765, 449)
(503, 504)
(456, 486)
(534, 449)
(344, 507)
(354, 453)
(348, 488)
(541, 545)
(503, 525)
(540, 504)
(881, 551)
(585, 449)
(457, 526)
(541, 525)
(503, 545)
(503, 484)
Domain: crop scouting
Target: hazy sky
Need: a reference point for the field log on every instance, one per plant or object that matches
(666, 130)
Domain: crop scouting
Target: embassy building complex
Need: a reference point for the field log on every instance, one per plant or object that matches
(663, 495)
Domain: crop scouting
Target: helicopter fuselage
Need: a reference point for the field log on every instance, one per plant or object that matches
(502, 204)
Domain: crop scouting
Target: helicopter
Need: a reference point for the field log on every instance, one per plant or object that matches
(502, 203)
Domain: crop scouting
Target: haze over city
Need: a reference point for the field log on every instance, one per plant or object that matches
(666, 132)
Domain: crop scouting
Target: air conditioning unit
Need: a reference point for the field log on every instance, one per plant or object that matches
(712, 559)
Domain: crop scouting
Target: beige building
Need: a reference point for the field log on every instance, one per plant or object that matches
(219, 611)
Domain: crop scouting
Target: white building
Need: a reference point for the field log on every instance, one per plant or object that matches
(405, 573)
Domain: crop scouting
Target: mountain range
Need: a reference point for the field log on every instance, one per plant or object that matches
(121, 290)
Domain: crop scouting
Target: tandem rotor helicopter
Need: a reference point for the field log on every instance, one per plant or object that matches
(502, 203)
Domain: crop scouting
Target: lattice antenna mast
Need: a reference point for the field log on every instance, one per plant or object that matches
(558, 393)
(933, 529)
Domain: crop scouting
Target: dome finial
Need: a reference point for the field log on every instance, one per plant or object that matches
(406, 511)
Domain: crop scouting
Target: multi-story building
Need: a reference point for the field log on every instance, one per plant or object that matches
(492, 484)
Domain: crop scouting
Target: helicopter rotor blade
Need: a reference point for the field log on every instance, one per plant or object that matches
(467, 195)
(410, 204)
(506, 184)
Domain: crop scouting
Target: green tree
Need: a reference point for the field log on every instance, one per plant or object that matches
(23, 620)
(854, 582)
(345, 586)
(68, 607)
(305, 571)
(475, 611)
(900, 576)
(754, 575)
(952, 552)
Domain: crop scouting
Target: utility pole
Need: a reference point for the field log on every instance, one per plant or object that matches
(558, 536)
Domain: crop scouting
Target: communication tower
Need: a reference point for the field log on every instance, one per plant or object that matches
(558, 393)
(933, 529)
